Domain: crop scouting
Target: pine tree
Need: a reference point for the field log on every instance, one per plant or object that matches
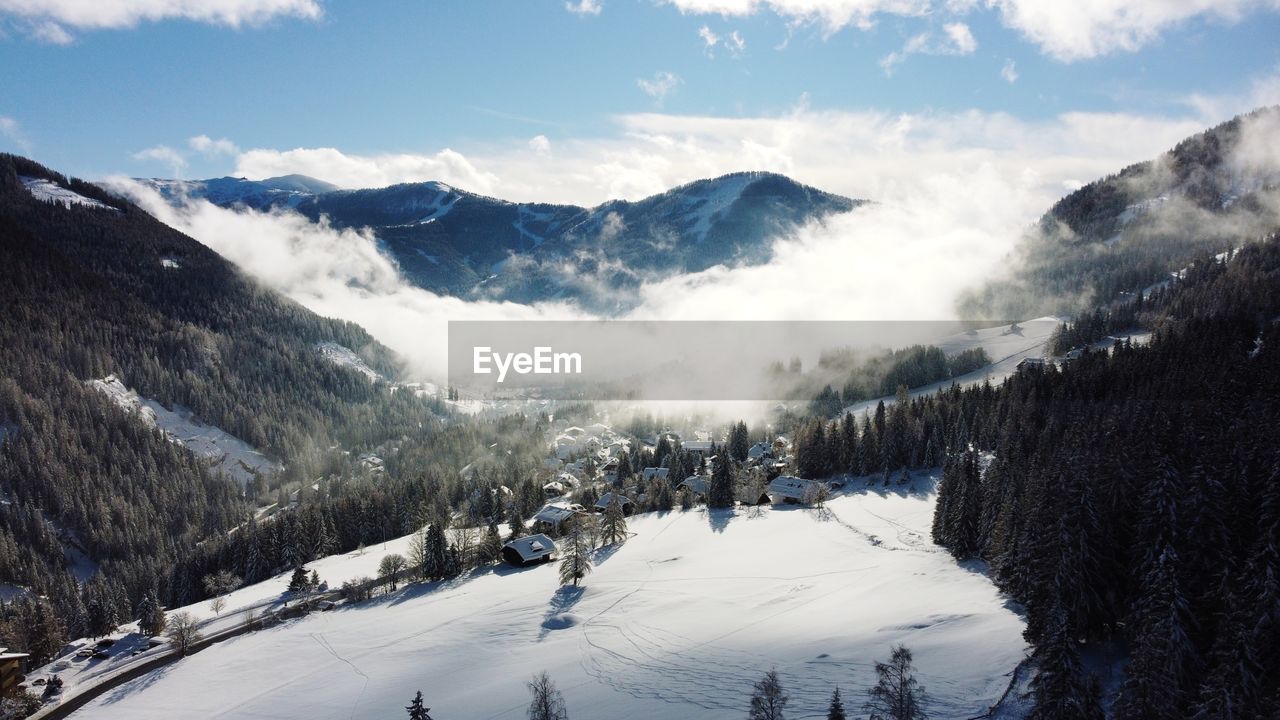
(768, 700)
(739, 442)
(436, 553)
(1061, 690)
(835, 711)
(614, 528)
(515, 523)
(151, 619)
(299, 580)
(491, 544)
(721, 492)
(576, 563)
(416, 710)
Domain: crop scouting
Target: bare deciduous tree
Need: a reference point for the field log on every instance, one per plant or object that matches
(547, 702)
(183, 632)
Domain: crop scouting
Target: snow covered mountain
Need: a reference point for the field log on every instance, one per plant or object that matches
(284, 191)
(459, 243)
(1130, 230)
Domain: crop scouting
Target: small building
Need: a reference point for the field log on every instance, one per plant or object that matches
(529, 550)
(697, 485)
(603, 503)
(371, 462)
(702, 447)
(553, 515)
(11, 668)
(659, 473)
(789, 489)
(1032, 362)
(759, 451)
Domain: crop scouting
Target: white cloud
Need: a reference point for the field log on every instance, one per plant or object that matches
(50, 32)
(832, 15)
(1009, 71)
(540, 145)
(649, 153)
(957, 40)
(954, 191)
(48, 20)
(1064, 30)
(176, 161)
(662, 84)
(709, 38)
(584, 7)
(734, 43)
(360, 171)
(11, 129)
(1090, 28)
(336, 273)
(206, 145)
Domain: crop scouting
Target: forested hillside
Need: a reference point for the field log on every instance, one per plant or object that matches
(1132, 229)
(1134, 497)
(91, 291)
(1129, 500)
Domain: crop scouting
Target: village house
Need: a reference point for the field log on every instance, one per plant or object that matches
(651, 473)
(552, 516)
(788, 489)
(1033, 362)
(529, 550)
(603, 503)
(702, 447)
(697, 486)
(11, 667)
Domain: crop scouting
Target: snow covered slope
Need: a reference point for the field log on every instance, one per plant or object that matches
(49, 191)
(677, 623)
(1006, 345)
(346, 357)
(231, 455)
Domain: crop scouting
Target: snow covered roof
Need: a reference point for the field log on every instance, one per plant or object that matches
(793, 488)
(607, 498)
(532, 547)
(650, 473)
(695, 483)
(758, 451)
(698, 446)
(554, 513)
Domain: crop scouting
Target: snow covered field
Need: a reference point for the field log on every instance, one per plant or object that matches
(677, 623)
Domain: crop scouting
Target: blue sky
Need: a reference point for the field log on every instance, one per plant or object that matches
(483, 79)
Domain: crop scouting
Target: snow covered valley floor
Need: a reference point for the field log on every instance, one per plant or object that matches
(676, 623)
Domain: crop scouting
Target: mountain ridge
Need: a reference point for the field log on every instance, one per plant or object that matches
(455, 242)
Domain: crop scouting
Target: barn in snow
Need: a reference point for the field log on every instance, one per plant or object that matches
(529, 550)
(787, 489)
